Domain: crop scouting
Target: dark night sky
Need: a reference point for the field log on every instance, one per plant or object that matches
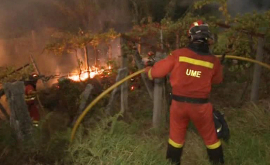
(18, 16)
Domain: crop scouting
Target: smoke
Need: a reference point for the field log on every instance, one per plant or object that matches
(18, 16)
(26, 27)
(113, 14)
(234, 6)
(244, 6)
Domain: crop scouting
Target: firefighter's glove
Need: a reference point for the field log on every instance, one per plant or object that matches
(149, 63)
(222, 59)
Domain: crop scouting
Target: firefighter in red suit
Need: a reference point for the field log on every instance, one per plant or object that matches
(193, 70)
(30, 97)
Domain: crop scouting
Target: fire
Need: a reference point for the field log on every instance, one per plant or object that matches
(92, 72)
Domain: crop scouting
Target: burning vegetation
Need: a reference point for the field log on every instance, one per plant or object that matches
(91, 73)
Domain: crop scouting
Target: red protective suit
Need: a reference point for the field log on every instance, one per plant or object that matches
(30, 101)
(191, 76)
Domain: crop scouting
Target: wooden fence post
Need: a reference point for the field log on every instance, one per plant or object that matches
(257, 71)
(120, 75)
(19, 116)
(85, 96)
(124, 86)
(158, 109)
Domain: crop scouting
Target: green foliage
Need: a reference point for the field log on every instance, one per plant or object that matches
(109, 35)
(242, 34)
(145, 30)
(67, 42)
(122, 146)
(8, 74)
(222, 3)
(33, 151)
(250, 140)
(69, 94)
(7, 135)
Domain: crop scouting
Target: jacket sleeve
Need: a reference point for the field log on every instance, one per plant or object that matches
(161, 68)
(218, 72)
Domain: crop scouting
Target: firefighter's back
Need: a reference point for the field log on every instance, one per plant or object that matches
(192, 74)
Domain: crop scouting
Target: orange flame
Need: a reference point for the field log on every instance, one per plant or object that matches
(92, 72)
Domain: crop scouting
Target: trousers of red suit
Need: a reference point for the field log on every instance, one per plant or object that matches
(181, 113)
(33, 112)
(32, 107)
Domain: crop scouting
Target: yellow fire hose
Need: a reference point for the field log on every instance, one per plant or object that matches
(246, 59)
(88, 108)
(98, 98)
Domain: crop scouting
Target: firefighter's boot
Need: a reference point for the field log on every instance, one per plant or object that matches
(216, 155)
(174, 154)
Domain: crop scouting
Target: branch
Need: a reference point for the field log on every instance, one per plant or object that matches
(142, 43)
(241, 30)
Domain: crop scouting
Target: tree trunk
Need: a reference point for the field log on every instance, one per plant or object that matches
(257, 71)
(146, 81)
(19, 115)
(77, 59)
(79, 63)
(136, 12)
(96, 56)
(139, 46)
(86, 57)
(161, 40)
(177, 41)
(158, 112)
(110, 51)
